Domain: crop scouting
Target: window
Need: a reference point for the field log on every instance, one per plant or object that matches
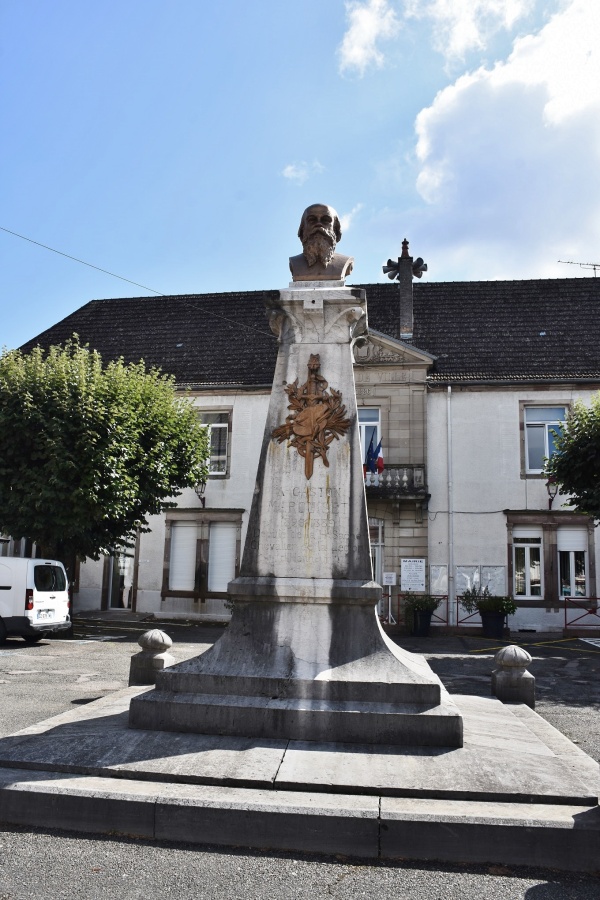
(369, 426)
(542, 425)
(49, 578)
(221, 555)
(572, 562)
(527, 563)
(182, 568)
(376, 536)
(218, 423)
(549, 556)
(202, 552)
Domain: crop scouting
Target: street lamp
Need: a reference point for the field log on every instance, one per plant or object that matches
(200, 489)
(552, 488)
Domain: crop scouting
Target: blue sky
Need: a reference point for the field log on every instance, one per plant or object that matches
(177, 143)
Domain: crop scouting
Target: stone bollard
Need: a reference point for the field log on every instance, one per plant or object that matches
(153, 657)
(511, 682)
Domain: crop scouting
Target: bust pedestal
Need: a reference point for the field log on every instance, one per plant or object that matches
(304, 657)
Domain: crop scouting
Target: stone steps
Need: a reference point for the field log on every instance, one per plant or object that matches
(244, 716)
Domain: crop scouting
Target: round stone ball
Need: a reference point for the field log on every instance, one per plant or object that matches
(155, 640)
(512, 657)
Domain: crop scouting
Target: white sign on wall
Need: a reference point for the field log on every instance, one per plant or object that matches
(412, 574)
(389, 579)
(438, 579)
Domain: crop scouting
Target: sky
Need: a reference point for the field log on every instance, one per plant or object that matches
(176, 142)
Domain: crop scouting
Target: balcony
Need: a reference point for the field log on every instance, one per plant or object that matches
(397, 483)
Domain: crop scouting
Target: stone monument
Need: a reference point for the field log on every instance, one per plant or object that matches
(305, 657)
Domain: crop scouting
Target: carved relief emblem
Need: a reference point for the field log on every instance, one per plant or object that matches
(317, 417)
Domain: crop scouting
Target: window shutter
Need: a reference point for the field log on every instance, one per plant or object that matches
(221, 555)
(524, 531)
(572, 539)
(182, 568)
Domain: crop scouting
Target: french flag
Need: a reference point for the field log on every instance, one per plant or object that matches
(374, 460)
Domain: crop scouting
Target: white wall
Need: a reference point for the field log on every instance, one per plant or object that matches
(486, 452)
(249, 413)
(248, 425)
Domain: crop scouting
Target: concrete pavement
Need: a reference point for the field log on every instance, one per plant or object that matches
(56, 675)
(87, 767)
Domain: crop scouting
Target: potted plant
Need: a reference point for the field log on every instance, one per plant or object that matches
(492, 608)
(419, 609)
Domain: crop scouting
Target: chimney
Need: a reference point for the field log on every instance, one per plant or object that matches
(404, 271)
(405, 277)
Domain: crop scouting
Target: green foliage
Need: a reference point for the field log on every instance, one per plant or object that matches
(477, 599)
(576, 465)
(421, 602)
(494, 603)
(88, 452)
(472, 597)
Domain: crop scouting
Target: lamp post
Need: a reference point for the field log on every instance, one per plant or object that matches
(200, 489)
(552, 488)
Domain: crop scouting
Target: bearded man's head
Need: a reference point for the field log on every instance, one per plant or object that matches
(319, 232)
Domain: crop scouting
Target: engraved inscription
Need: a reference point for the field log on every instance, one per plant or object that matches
(317, 530)
(317, 417)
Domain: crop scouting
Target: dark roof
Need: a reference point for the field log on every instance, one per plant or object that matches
(201, 339)
(515, 331)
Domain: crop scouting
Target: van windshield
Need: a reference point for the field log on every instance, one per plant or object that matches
(49, 578)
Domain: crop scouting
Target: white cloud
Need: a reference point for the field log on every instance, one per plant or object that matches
(463, 25)
(347, 218)
(370, 22)
(299, 172)
(509, 155)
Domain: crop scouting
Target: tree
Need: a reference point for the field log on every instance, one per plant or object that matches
(88, 452)
(575, 466)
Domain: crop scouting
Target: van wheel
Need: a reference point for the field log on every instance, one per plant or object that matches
(34, 638)
(2, 632)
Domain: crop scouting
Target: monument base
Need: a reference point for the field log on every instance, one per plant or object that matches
(517, 793)
(304, 669)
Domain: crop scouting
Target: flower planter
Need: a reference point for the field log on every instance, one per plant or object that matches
(421, 622)
(493, 624)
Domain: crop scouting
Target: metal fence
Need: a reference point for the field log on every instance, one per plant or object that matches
(579, 608)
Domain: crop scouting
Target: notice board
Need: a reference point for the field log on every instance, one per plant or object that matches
(412, 574)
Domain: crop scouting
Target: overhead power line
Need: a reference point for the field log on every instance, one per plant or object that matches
(82, 261)
(129, 281)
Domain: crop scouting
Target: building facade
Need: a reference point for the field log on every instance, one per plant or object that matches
(461, 388)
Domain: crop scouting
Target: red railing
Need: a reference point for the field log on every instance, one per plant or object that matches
(585, 608)
(581, 608)
(438, 617)
(580, 612)
(467, 618)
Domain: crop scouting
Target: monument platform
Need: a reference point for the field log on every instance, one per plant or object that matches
(518, 792)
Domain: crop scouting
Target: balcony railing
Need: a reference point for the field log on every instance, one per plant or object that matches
(397, 482)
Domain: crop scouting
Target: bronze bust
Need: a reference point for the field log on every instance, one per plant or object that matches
(320, 232)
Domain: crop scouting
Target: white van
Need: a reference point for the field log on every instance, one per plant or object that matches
(34, 598)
